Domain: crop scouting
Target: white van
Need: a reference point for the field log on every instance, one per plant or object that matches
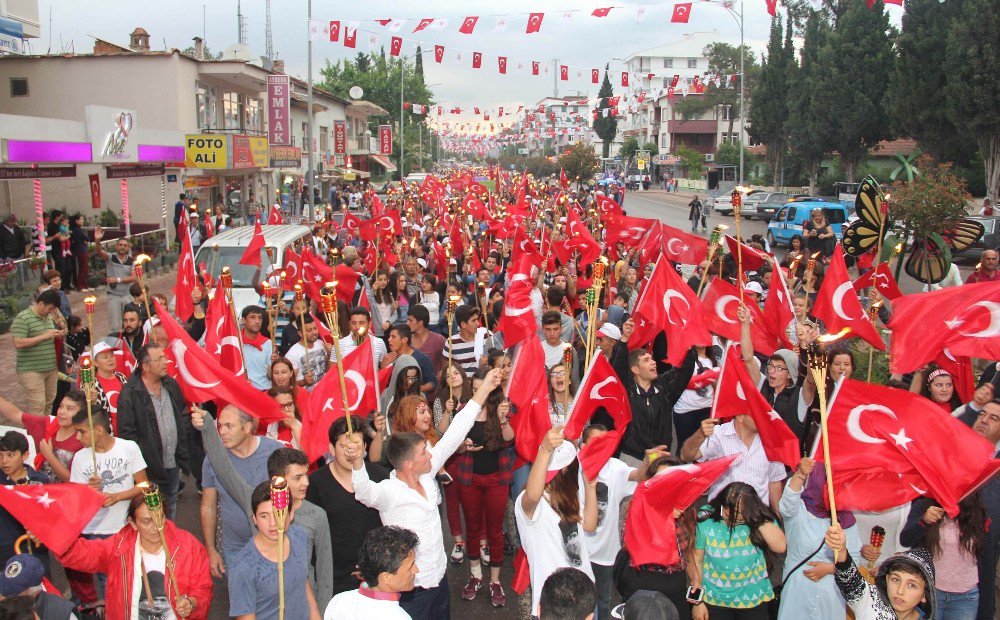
(233, 242)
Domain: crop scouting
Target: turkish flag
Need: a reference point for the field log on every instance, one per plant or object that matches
(625, 228)
(56, 513)
(579, 238)
(563, 180)
(390, 224)
(882, 279)
(736, 394)
(292, 268)
(608, 206)
(334, 30)
(667, 303)
(534, 22)
(251, 256)
(595, 453)
(601, 387)
(719, 305)
(423, 24)
(327, 402)
(517, 321)
(477, 60)
(350, 37)
(468, 24)
(772, 7)
(534, 67)
(681, 247)
(395, 46)
(601, 12)
(752, 259)
(522, 573)
(965, 319)
(275, 217)
(95, 191)
(563, 73)
(502, 68)
(778, 312)
(125, 361)
(595, 76)
(351, 223)
(682, 12)
(650, 529)
(625, 79)
(531, 398)
(187, 279)
(203, 379)
(837, 304)
(222, 336)
(900, 434)
(438, 53)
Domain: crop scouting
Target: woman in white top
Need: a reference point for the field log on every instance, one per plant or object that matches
(695, 403)
(560, 394)
(549, 518)
(431, 299)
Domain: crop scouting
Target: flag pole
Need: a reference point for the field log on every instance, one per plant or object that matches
(452, 304)
(300, 296)
(329, 301)
(818, 368)
(737, 199)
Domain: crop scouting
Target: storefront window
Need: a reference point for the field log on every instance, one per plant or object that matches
(252, 121)
(324, 137)
(207, 106)
(232, 110)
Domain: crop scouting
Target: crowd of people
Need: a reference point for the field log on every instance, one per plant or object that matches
(452, 440)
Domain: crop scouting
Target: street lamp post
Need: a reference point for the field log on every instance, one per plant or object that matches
(309, 120)
(402, 137)
(738, 17)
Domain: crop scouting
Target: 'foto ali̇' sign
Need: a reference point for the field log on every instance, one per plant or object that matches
(205, 151)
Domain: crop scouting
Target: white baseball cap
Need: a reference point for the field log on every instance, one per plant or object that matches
(561, 457)
(101, 347)
(611, 331)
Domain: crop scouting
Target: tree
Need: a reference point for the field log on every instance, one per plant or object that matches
(810, 130)
(418, 64)
(692, 161)
(629, 147)
(189, 50)
(540, 167)
(651, 147)
(935, 201)
(768, 113)
(859, 58)
(915, 110)
(973, 87)
(606, 127)
(579, 162)
(723, 59)
(362, 61)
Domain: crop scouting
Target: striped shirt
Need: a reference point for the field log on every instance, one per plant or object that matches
(347, 345)
(118, 268)
(464, 354)
(42, 356)
(751, 467)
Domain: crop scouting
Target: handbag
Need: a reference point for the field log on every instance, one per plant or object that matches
(781, 586)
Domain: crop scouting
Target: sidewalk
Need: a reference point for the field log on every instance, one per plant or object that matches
(9, 386)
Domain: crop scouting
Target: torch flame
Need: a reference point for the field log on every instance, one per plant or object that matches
(828, 338)
(142, 259)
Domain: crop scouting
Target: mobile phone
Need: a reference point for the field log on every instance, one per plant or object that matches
(695, 595)
(444, 478)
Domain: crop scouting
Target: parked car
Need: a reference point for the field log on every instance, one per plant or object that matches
(723, 203)
(767, 204)
(787, 222)
(989, 241)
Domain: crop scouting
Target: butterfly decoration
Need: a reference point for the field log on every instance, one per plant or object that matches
(930, 258)
(872, 210)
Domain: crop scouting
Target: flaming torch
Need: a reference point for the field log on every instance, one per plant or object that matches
(137, 266)
(90, 305)
(713, 245)
(151, 496)
(279, 505)
(87, 381)
(328, 298)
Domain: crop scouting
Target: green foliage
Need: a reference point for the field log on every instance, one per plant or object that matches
(605, 128)
(692, 161)
(857, 61)
(768, 113)
(540, 167)
(728, 154)
(628, 149)
(580, 162)
(935, 201)
(189, 50)
(108, 219)
(973, 67)
(362, 61)
(723, 59)
(810, 128)
(651, 147)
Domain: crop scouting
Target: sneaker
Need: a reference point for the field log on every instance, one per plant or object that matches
(484, 553)
(471, 589)
(497, 597)
(458, 553)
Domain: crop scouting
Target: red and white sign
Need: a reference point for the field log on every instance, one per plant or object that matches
(279, 110)
(385, 139)
(339, 137)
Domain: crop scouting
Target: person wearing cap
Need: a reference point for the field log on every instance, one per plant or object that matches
(22, 576)
(568, 594)
(107, 380)
(550, 520)
(754, 291)
(410, 498)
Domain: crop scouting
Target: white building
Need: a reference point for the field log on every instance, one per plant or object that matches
(557, 123)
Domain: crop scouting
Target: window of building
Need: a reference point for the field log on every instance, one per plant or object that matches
(730, 138)
(725, 112)
(692, 63)
(305, 142)
(324, 138)
(206, 106)
(663, 140)
(232, 110)
(18, 87)
(668, 63)
(252, 116)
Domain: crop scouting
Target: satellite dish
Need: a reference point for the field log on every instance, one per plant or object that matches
(356, 92)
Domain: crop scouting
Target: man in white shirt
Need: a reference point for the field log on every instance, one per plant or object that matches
(309, 368)
(388, 562)
(410, 498)
(360, 321)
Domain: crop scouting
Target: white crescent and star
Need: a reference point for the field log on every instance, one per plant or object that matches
(838, 300)
(854, 422)
(670, 246)
(992, 329)
(595, 392)
(720, 308)
(180, 350)
(666, 305)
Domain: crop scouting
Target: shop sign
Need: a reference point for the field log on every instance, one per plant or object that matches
(205, 151)
(286, 156)
(131, 171)
(242, 153)
(385, 139)
(207, 181)
(111, 132)
(259, 150)
(339, 137)
(31, 172)
(279, 111)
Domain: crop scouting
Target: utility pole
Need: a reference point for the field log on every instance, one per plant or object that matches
(268, 40)
(402, 140)
(309, 116)
(555, 78)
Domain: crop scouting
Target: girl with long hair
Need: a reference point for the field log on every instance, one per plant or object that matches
(452, 380)
(695, 403)
(484, 477)
(561, 394)
(959, 548)
(385, 302)
(937, 385)
(549, 516)
(817, 232)
(414, 416)
(736, 540)
(289, 430)
(397, 287)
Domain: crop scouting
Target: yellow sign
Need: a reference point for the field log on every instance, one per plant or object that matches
(350, 176)
(642, 164)
(206, 151)
(260, 151)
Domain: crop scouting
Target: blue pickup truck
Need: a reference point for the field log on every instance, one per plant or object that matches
(787, 222)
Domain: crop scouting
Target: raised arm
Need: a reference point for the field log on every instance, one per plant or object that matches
(10, 412)
(746, 344)
(535, 487)
(463, 421)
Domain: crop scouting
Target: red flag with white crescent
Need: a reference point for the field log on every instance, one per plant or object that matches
(222, 336)
(187, 279)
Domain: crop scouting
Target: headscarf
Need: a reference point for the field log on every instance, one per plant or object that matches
(814, 497)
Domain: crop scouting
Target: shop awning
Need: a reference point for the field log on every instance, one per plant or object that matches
(383, 161)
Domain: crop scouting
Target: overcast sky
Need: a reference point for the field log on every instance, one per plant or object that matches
(581, 41)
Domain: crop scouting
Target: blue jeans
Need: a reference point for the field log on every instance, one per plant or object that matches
(171, 490)
(603, 578)
(519, 480)
(957, 605)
